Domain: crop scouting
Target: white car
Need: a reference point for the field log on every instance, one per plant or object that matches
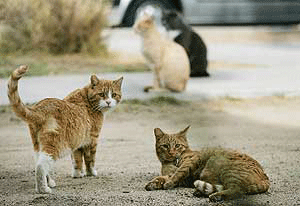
(211, 12)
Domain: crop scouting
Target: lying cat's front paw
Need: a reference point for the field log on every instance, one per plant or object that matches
(168, 185)
(156, 184)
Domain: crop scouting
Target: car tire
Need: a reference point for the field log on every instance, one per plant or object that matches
(138, 5)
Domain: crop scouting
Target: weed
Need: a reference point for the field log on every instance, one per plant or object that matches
(55, 26)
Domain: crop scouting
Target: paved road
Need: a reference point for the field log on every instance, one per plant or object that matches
(274, 70)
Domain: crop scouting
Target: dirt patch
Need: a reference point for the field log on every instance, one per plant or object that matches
(126, 159)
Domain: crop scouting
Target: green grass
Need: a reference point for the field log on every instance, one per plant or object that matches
(36, 69)
(44, 64)
(232, 99)
(159, 101)
(155, 104)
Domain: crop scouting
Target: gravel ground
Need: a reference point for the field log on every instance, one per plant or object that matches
(126, 158)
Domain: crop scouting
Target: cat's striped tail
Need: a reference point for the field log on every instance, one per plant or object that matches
(19, 108)
(217, 192)
(206, 188)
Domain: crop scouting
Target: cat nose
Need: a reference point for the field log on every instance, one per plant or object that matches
(108, 102)
(172, 152)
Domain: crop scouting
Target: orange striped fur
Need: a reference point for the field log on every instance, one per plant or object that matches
(214, 172)
(73, 123)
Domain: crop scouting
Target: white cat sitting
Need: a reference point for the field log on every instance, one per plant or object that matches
(171, 63)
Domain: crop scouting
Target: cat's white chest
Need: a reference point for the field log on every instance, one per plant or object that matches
(151, 50)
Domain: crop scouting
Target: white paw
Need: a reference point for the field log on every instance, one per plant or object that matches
(199, 184)
(91, 172)
(77, 173)
(43, 190)
(204, 187)
(51, 182)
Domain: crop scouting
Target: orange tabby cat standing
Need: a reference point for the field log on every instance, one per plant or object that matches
(73, 123)
(171, 63)
(214, 172)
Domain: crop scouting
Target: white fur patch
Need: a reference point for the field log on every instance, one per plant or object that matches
(91, 172)
(209, 189)
(43, 166)
(204, 187)
(219, 188)
(45, 160)
(51, 125)
(199, 184)
(108, 103)
(173, 33)
(51, 182)
(65, 153)
(77, 173)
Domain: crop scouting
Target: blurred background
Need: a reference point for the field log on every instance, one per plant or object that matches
(253, 46)
(212, 12)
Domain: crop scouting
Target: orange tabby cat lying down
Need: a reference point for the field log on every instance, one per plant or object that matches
(73, 123)
(215, 172)
(171, 63)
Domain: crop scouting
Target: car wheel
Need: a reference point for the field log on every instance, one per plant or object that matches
(138, 8)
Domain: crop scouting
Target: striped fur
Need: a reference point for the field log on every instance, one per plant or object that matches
(73, 123)
(214, 172)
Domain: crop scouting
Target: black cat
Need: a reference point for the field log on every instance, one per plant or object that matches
(190, 40)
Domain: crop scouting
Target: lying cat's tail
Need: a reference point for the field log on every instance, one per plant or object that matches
(205, 188)
(218, 192)
(19, 108)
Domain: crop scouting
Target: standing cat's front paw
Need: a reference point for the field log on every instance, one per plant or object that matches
(43, 190)
(91, 172)
(51, 182)
(77, 173)
(156, 184)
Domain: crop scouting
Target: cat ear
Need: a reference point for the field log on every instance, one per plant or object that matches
(118, 82)
(94, 80)
(183, 132)
(158, 133)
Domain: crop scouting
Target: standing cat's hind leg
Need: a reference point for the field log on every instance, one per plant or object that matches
(43, 166)
(77, 161)
(89, 159)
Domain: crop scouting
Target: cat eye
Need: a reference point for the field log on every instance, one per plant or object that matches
(101, 94)
(177, 146)
(113, 95)
(165, 146)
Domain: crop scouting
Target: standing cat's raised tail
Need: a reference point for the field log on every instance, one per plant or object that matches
(13, 95)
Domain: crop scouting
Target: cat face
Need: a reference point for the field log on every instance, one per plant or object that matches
(143, 23)
(169, 147)
(104, 94)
